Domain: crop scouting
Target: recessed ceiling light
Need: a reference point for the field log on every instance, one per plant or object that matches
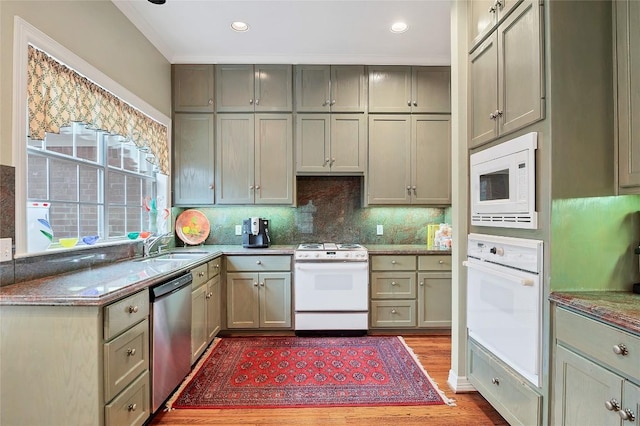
(239, 26)
(399, 27)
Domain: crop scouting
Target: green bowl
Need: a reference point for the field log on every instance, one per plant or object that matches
(133, 235)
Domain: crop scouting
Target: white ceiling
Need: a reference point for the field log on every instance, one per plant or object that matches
(296, 31)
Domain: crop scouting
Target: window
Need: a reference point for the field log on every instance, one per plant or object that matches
(94, 157)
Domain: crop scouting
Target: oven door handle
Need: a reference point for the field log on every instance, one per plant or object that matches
(528, 282)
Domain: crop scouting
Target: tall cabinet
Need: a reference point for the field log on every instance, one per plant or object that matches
(193, 135)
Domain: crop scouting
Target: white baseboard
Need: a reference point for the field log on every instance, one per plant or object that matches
(459, 384)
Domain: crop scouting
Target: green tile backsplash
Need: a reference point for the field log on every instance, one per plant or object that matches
(592, 243)
(328, 209)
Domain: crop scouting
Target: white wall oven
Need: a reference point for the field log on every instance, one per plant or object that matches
(331, 288)
(503, 184)
(504, 300)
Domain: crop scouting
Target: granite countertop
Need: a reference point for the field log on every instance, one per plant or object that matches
(617, 308)
(102, 285)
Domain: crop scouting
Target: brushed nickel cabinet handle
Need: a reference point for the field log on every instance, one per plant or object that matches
(132, 407)
(495, 381)
(612, 405)
(627, 415)
(620, 349)
(133, 309)
(131, 351)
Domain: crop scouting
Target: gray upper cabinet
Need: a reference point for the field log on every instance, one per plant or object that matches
(331, 143)
(330, 88)
(193, 88)
(499, 100)
(254, 159)
(193, 159)
(484, 15)
(407, 89)
(259, 88)
(627, 27)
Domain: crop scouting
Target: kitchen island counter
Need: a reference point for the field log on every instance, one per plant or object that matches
(617, 308)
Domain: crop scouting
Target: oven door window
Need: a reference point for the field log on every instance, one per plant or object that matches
(494, 185)
(503, 314)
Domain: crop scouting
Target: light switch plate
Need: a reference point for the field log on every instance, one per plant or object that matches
(238, 229)
(379, 230)
(5, 249)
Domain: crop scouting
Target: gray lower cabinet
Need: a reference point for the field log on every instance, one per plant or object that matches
(258, 292)
(193, 159)
(410, 291)
(81, 364)
(499, 101)
(205, 306)
(596, 379)
(254, 159)
(331, 143)
(505, 390)
(409, 159)
(627, 81)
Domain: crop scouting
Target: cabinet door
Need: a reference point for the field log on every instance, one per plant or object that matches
(431, 88)
(198, 322)
(434, 299)
(389, 159)
(312, 88)
(234, 88)
(235, 158)
(431, 159)
(631, 401)
(273, 159)
(193, 159)
(348, 88)
(581, 389)
(627, 15)
(484, 15)
(213, 307)
(520, 86)
(275, 299)
(273, 88)
(348, 143)
(312, 143)
(483, 70)
(243, 309)
(192, 88)
(389, 89)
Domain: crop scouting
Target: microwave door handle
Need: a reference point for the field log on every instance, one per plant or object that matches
(528, 282)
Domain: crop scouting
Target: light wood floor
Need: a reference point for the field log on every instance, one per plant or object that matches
(434, 354)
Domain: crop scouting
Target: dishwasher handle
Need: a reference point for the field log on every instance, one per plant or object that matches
(171, 286)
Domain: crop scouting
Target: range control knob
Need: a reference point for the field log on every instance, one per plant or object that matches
(497, 250)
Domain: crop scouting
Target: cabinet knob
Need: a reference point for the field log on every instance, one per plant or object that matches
(620, 349)
(257, 101)
(211, 186)
(393, 311)
(627, 415)
(492, 116)
(217, 266)
(201, 274)
(255, 284)
(132, 407)
(261, 284)
(326, 161)
(393, 262)
(208, 295)
(257, 187)
(612, 405)
(415, 103)
(408, 103)
(258, 262)
(327, 102)
(422, 283)
(495, 381)
(492, 9)
(499, 113)
(250, 187)
(131, 351)
(210, 101)
(393, 283)
(441, 261)
(133, 309)
(333, 102)
(250, 101)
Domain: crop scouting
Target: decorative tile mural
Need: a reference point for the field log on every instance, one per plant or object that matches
(328, 209)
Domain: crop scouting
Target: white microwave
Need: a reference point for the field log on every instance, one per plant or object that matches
(503, 184)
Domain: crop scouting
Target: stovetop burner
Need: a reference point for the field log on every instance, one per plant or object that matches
(331, 251)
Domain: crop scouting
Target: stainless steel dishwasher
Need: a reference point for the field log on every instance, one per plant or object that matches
(171, 337)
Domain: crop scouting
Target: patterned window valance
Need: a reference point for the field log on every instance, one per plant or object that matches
(58, 96)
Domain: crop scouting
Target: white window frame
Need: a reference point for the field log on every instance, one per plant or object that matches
(23, 35)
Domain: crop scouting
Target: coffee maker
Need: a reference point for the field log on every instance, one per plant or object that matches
(255, 233)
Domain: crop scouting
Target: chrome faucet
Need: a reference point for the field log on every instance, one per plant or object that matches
(149, 243)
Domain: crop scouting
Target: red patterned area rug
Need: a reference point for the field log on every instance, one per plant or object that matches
(278, 372)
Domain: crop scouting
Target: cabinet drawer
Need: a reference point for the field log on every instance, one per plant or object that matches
(214, 267)
(258, 263)
(393, 313)
(125, 358)
(393, 285)
(200, 275)
(434, 263)
(598, 341)
(515, 400)
(393, 263)
(131, 407)
(123, 314)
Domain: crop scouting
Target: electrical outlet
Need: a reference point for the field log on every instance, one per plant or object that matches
(5, 249)
(379, 230)
(238, 229)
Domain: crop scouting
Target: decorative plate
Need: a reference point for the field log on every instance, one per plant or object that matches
(192, 227)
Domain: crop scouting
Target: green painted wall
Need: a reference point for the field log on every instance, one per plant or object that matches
(593, 242)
